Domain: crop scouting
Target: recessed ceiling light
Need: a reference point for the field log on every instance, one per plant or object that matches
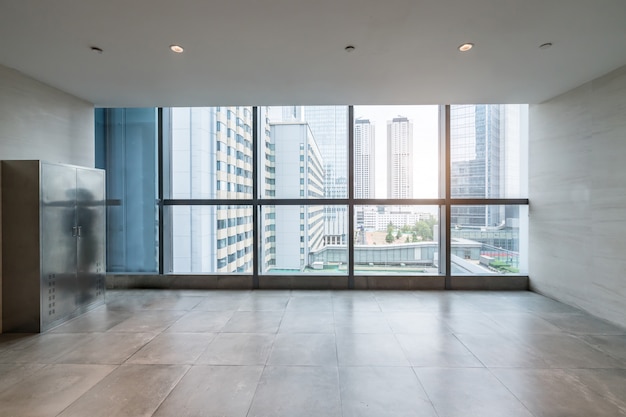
(466, 47)
(349, 48)
(545, 45)
(177, 48)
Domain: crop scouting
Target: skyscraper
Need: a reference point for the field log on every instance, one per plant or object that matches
(400, 158)
(329, 125)
(298, 229)
(210, 151)
(484, 152)
(364, 158)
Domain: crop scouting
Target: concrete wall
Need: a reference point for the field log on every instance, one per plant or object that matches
(577, 190)
(41, 122)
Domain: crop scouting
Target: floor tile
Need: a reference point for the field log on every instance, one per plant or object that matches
(354, 301)
(369, 350)
(472, 324)
(523, 323)
(265, 302)
(555, 393)
(148, 321)
(303, 349)
(501, 351)
(398, 301)
(469, 392)
(99, 320)
(319, 353)
(610, 384)
(613, 345)
(404, 322)
(201, 322)
(173, 348)
(213, 391)
(238, 349)
(223, 301)
(361, 322)
(381, 392)
(45, 348)
(173, 303)
(582, 323)
(254, 322)
(129, 391)
(107, 348)
(50, 390)
(437, 350)
(305, 322)
(310, 303)
(11, 374)
(567, 351)
(303, 391)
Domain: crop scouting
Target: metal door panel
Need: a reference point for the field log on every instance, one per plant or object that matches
(58, 243)
(90, 215)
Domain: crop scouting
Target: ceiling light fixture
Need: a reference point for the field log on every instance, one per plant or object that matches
(177, 48)
(349, 48)
(545, 45)
(96, 49)
(466, 47)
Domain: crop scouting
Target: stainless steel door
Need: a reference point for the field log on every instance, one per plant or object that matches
(58, 243)
(90, 223)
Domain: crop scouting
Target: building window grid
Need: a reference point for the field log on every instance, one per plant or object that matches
(259, 202)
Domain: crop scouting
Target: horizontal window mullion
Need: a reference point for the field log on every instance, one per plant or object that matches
(303, 201)
(487, 201)
(207, 202)
(344, 201)
(399, 202)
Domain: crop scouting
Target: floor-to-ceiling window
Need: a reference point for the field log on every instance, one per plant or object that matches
(317, 190)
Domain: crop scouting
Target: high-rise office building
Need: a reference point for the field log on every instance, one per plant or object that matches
(400, 158)
(210, 154)
(298, 230)
(329, 125)
(484, 151)
(364, 158)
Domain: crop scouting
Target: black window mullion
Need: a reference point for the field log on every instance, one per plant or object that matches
(255, 199)
(350, 253)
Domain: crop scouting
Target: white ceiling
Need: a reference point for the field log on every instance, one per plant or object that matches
(246, 52)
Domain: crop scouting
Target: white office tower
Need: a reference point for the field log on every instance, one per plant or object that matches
(329, 125)
(364, 158)
(211, 157)
(400, 158)
(299, 174)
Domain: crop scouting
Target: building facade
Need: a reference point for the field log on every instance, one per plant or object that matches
(400, 158)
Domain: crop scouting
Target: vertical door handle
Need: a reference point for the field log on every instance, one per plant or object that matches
(80, 228)
(74, 231)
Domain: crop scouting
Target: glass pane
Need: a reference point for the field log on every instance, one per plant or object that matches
(128, 151)
(209, 239)
(208, 152)
(396, 151)
(303, 152)
(297, 240)
(396, 240)
(489, 150)
(498, 248)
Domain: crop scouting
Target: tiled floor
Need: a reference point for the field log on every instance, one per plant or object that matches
(323, 354)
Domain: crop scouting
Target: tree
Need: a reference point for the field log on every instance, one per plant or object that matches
(399, 235)
(389, 238)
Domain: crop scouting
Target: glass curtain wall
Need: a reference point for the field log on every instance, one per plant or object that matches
(126, 146)
(316, 190)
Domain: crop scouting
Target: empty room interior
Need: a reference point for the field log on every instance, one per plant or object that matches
(313, 208)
